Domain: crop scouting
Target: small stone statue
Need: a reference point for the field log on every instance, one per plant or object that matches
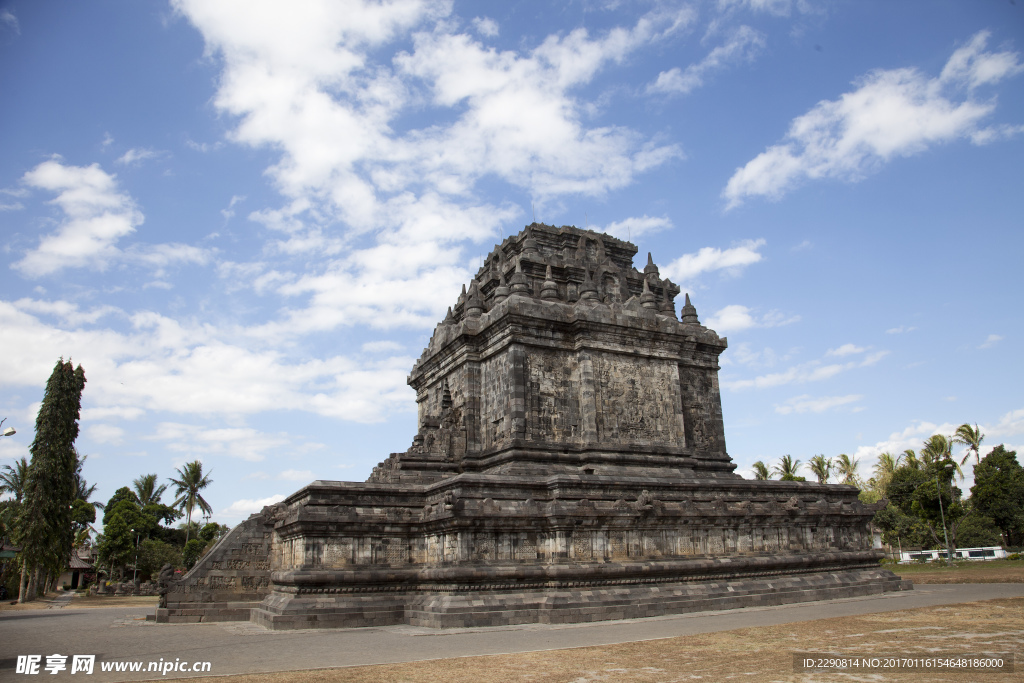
(164, 583)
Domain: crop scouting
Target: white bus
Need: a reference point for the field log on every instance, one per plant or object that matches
(990, 553)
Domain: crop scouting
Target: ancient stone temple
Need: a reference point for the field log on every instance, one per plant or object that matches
(570, 465)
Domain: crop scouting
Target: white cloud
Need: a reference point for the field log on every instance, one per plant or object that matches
(811, 404)
(892, 113)
(846, 350)
(735, 317)
(631, 228)
(96, 213)
(96, 216)
(296, 475)
(8, 19)
(485, 26)
(743, 45)
(229, 212)
(732, 260)
(136, 155)
(103, 433)
(991, 341)
(383, 346)
(900, 330)
(248, 506)
(812, 371)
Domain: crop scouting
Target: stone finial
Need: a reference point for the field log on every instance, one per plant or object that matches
(462, 297)
(530, 248)
(549, 290)
(689, 313)
(666, 307)
(474, 305)
(449, 318)
(520, 282)
(502, 291)
(650, 268)
(588, 292)
(647, 299)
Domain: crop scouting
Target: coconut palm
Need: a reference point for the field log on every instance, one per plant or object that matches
(761, 472)
(191, 482)
(147, 490)
(846, 467)
(884, 469)
(12, 479)
(787, 467)
(910, 459)
(820, 467)
(972, 438)
(82, 489)
(938, 448)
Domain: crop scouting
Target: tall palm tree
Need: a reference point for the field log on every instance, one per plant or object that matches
(147, 490)
(972, 438)
(821, 467)
(12, 479)
(187, 488)
(910, 459)
(884, 469)
(761, 472)
(938, 448)
(787, 467)
(846, 467)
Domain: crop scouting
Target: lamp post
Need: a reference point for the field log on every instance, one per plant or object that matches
(9, 431)
(938, 490)
(135, 569)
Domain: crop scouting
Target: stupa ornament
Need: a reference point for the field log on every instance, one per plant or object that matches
(570, 464)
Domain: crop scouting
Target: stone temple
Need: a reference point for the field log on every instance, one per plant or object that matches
(570, 466)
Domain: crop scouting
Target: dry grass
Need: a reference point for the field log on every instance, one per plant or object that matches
(994, 571)
(754, 654)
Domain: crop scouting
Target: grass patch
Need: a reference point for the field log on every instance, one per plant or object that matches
(966, 571)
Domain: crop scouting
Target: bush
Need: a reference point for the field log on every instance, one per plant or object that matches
(192, 552)
(1013, 556)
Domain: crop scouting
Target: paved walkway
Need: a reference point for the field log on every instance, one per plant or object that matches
(123, 634)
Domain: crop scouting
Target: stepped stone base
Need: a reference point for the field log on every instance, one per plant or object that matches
(545, 606)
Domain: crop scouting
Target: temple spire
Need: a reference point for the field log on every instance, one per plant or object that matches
(549, 290)
(689, 313)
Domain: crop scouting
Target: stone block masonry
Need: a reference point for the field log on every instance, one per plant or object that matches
(570, 465)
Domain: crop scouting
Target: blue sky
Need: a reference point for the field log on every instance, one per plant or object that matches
(244, 221)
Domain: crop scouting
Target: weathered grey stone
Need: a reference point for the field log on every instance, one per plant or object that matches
(570, 465)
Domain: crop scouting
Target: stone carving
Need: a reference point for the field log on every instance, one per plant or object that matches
(569, 464)
(164, 580)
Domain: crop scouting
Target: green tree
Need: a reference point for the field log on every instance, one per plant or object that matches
(122, 494)
(43, 528)
(761, 472)
(998, 491)
(123, 526)
(147, 490)
(972, 438)
(154, 554)
(846, 468)
(787, 469)
(190, 482)
(192, 552)
(821, 468)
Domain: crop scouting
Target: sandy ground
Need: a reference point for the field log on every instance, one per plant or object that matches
(753, 654)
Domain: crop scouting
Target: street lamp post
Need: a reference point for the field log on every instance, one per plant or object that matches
(135, 569)
(938, 490)
(8, 431)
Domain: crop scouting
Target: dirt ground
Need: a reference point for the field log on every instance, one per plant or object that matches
(81, 600)
(994, 571)
(754, 654)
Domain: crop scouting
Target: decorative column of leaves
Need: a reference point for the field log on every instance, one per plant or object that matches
(44, 525)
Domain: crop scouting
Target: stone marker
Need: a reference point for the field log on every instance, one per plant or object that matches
(570, 466)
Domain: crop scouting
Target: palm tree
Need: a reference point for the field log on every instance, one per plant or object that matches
(884, 468)
(910, 459)
(821, 467)
(937, 448)
(147, 490)
(972, 438)
(846, 467)
(12, 479)
(191, 482)
(761, 472)
(787, 467)
(82, 489)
